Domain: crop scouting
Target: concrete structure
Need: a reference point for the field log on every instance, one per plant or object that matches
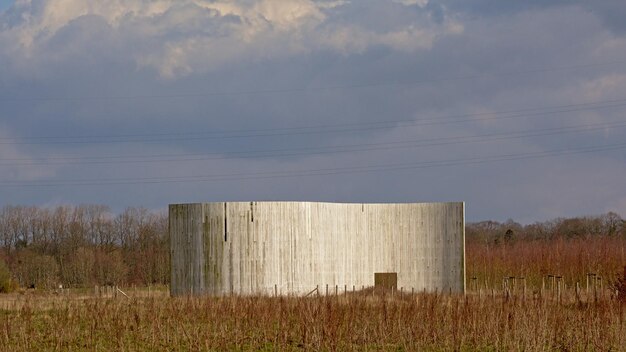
(294, 247)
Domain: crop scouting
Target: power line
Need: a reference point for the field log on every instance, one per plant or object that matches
(315, 172)
(589, 105)
(314, 89)
(272, 153)
(293, 131)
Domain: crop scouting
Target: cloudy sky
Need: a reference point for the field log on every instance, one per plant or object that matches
(516, 108)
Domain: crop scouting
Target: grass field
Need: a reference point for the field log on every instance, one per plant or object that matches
(346, 322)
(572, 259)
(537, 313)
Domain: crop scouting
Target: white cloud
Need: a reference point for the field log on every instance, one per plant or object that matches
(178, 38)
(64, 63)
(420, 3)
(289, 14)
(356, 39)
(603, 87)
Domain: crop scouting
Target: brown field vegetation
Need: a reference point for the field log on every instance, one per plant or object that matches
(537, 261)
(87, 245)
(359, 321)
(556, 306)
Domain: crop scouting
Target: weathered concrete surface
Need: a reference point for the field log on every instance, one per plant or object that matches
(294, 247)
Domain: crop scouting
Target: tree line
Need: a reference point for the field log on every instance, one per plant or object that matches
(493, 232)
(84, 245)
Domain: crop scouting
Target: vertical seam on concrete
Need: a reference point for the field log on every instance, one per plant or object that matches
(225, 223)
(463, 272)
(169, 239)
(376, 225)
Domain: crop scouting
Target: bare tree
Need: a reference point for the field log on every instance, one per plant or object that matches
(36, 270)
(100, 226)
(110, 268)
(78, 270)
(85, 244)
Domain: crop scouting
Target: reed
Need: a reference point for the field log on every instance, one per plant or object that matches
(354, 321)
(573, 259)
(522, 296)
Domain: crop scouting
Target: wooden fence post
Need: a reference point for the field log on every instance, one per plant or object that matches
(558, 283)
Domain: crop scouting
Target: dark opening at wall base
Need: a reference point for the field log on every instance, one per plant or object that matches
(386, 280)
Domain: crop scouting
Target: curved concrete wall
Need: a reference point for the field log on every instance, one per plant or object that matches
(253, 247)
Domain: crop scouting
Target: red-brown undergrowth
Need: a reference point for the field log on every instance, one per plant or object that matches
(572, 259)
(353, 322)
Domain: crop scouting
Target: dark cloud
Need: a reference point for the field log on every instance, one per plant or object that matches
(611, 12)
(164, 82)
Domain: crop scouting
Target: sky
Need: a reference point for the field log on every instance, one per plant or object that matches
(516, 108)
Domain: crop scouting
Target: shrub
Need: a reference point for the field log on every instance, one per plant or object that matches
(7, 284)
(620, 287)
(40, 271)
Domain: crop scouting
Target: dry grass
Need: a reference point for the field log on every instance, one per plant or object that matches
(490, 318)
(353, 322)
(534, 260)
